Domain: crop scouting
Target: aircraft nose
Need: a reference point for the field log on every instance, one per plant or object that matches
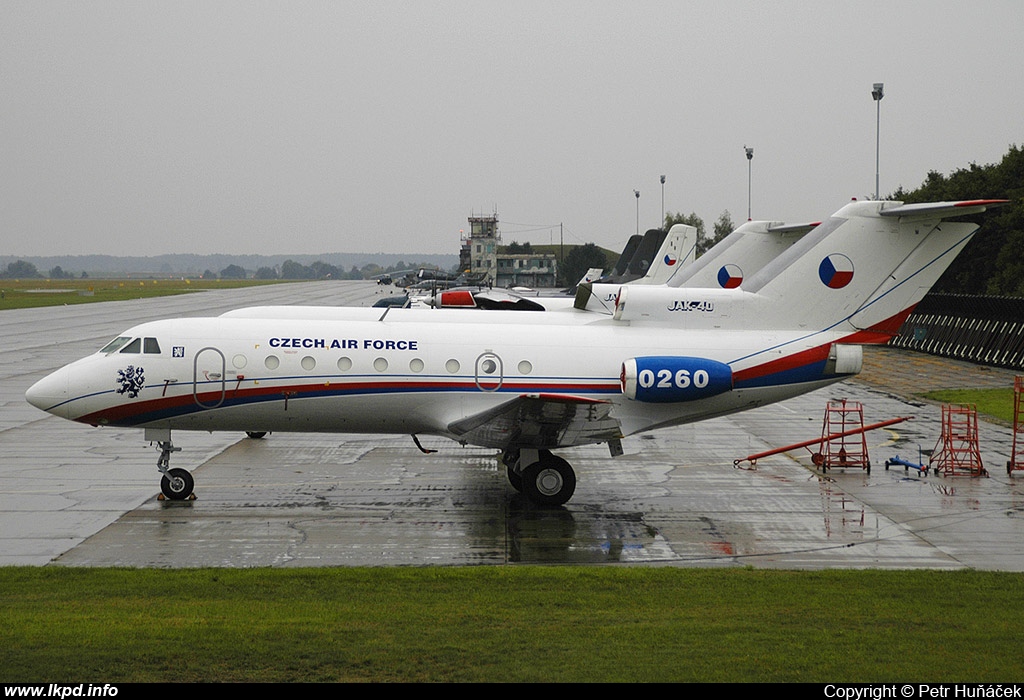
(50, 393)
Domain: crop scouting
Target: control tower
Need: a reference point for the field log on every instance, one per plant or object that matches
(479, 252)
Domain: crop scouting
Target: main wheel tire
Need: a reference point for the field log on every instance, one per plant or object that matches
(549, 482)
(255, 434)
(177, 484)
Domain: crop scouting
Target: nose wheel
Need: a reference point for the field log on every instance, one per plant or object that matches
(176, 484)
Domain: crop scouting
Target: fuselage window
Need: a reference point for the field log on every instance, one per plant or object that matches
(115, 344)
(272, 362)
(308, 363)
(150, 346)
(525, 367)
(132, 348)
(345, 364)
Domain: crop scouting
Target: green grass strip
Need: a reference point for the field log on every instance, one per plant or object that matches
(995, 403)
(569, 624)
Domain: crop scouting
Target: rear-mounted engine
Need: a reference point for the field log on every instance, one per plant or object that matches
(672, 379)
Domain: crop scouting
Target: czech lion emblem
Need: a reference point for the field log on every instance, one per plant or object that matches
(131, 380)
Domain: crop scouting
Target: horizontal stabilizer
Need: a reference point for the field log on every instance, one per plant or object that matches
(931, 210)
(794, 228)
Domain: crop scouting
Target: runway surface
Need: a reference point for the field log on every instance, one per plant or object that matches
(78, 496)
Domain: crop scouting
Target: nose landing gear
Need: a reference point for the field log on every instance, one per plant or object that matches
(177, 484)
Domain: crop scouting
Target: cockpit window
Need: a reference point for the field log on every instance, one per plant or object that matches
(116, 344)
(132, 346)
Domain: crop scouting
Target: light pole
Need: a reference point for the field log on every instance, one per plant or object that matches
(663, 200)
(750, 159)
(637, 193)
(877, 94)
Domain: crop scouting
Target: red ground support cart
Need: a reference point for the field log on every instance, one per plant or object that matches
(844, 443)
(957, 452)
(1016, 458)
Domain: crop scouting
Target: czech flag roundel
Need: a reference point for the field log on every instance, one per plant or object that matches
(670, 260)
(730, 276)
(836, 271)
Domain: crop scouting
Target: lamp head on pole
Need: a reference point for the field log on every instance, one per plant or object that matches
(876, 92)
(750, 152)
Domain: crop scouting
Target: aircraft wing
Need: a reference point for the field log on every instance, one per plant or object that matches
(943, 209)
(540, 421)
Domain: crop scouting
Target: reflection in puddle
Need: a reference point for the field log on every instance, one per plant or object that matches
(562, 536)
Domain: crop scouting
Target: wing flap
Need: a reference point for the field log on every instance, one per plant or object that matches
(541, 421)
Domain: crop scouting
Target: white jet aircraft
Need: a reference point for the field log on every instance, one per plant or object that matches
(528, 383)
(742, 253)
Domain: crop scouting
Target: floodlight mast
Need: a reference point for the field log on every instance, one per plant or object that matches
(662, 200)
(750, 157)
(877, 93)
(637, 193)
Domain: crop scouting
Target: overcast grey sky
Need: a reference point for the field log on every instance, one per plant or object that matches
(140, 128)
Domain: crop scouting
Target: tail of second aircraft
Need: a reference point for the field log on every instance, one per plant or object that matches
(740, 254)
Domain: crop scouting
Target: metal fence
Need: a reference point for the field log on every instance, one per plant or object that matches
(986, 330)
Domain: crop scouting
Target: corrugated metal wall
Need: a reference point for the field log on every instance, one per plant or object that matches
(986, 330)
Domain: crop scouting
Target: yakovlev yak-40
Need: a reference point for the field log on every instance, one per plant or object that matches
(527, 383)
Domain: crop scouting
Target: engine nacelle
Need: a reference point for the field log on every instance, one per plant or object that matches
(671, 379)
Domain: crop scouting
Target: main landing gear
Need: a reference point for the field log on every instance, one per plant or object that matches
(176, 484)
(544, 478)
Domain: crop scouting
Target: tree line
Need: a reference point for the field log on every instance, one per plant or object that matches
(319, 270)
(20, 269)
(288, 270)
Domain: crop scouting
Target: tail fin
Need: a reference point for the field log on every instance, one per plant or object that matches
(866, 267)
(636, 257)
(627, 254)
(678, 251)
(740, 254)
(592, 275)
